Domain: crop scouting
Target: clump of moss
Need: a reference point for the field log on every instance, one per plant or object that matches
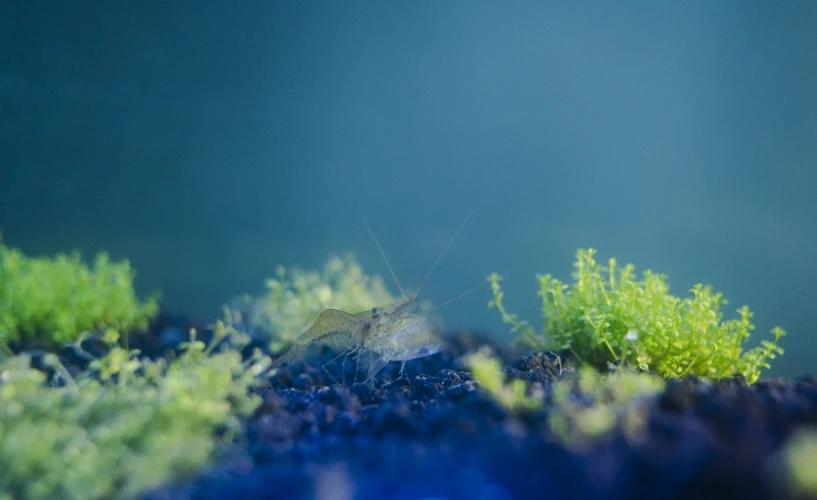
(124, 426)
(606, 315)
(793, 467)
(592, 406)
(488, 373)
(296, 297)
(53, 300)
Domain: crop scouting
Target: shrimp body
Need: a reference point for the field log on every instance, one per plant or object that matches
(333, 328)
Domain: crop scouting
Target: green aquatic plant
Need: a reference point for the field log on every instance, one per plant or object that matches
(593, 405)
(582, 408)
(793, 467)
(125, 425)
(53, 300)
(488, 373)
(608, 316)
(296, 297)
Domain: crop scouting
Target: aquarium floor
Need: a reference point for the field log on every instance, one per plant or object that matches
(434, 435)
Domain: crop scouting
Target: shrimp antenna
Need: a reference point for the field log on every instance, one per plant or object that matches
(441, 256)
(385, 259)
(458, 297)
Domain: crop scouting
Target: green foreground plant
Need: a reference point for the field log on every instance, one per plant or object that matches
(794, 464)
(53, 300)
(296, 297)
(581, 409)
(124, 426)
(488, 373)
(593, 405)
(607, 316)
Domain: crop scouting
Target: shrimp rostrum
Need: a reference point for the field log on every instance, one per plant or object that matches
(393, 332)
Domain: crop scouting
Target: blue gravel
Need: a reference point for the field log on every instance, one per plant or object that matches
(434, 435)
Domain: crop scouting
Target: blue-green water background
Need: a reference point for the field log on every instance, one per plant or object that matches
(208, 142)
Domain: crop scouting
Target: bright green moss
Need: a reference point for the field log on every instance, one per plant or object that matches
(52, 300)
(487, 372)
(607, 316)
(296, 297)
(125, 426)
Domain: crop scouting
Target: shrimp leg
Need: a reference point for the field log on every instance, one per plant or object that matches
(341, 369)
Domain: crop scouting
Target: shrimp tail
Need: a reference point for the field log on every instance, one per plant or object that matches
(292, 355)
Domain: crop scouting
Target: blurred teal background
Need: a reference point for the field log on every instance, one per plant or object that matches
(208, 142)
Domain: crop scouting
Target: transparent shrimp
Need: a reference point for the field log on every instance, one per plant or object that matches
(347, 332)
(379, 335)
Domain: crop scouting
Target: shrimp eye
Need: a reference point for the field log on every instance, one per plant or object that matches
(374, 310)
